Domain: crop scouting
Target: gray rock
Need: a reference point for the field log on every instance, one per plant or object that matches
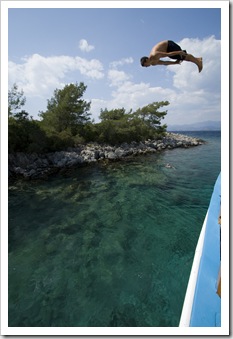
(120, 152)
(40, 165)
(110, 155)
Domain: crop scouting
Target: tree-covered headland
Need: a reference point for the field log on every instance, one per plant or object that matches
(67, 122)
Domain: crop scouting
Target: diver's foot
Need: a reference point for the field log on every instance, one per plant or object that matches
(200, 64)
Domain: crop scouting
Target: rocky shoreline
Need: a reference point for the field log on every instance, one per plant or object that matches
(40, 166)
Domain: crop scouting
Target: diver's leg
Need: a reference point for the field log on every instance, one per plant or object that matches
(196, 61)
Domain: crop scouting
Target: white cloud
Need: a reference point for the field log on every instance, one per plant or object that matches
(117, 78)
(37, 74)
(84, 46)
(187, 76)
(91, 68)
(121, 62)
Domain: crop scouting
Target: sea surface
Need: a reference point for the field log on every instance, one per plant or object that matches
(109, 245)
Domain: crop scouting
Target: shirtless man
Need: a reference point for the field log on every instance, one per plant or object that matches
(169, 49)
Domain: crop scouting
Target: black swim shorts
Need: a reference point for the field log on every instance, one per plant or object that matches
(172, 47)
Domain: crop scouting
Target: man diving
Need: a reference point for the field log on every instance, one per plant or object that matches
(169, 49)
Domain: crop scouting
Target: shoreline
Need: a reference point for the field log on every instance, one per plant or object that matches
(41, 166)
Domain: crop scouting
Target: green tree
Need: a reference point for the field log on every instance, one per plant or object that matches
(117, 126)
(16, 100)
(150, 114)
(67, 110)
(26, 135)
(113, 127)
(114, 114)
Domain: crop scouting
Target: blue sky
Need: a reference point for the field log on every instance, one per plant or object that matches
(51, 47)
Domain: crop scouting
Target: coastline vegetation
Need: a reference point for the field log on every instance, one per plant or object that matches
(67, 123)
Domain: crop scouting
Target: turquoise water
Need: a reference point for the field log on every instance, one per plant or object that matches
(109, 245)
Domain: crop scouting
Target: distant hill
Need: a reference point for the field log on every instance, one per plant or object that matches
(199, 126)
